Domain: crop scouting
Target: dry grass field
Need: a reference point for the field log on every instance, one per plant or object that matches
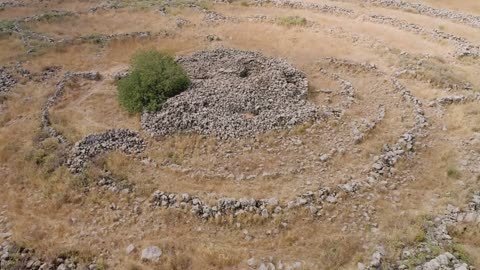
(397, 155)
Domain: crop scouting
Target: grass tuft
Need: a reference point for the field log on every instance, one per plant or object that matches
(291, 21)
(453, 172)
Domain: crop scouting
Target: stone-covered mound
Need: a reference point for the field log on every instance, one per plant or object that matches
(234, 93)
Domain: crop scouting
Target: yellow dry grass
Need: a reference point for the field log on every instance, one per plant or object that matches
(52, 212)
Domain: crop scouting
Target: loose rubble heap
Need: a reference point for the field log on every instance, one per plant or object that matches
(7, 81)
(234, 93)
(469, 19)
(59, 89)
(116, 139)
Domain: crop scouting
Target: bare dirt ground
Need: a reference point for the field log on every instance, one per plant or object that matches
(388, 179)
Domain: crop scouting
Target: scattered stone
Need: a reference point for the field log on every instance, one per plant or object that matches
(130, 248)
(252, 262)
(212, 38)
(377, 258)
(151, 253)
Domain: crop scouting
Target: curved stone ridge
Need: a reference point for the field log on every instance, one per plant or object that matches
(52, 100)
(234, 93)
(462, 46)
(94, 144)
(105, 38)
(11, 4)
(347, 92)
(313, 6)
(311, 200)
(468, 19)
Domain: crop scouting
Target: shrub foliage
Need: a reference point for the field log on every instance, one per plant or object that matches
(154, 78)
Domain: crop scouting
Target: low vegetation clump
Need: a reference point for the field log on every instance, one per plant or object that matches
(153, 79)
(292, 21)
(53, 15)
(453, 172)
(436, 71)
(6, 27)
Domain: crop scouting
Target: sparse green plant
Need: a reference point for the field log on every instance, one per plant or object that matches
(244, 4)
(96, 39)
(204, 5)
(6, 27)
(155, 77)
(291, 21)
(48, 156)
(453, 172)
(50, 16)
(420, 237)
(460, 252)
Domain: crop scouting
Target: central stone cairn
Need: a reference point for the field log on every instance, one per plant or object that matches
(233, 94)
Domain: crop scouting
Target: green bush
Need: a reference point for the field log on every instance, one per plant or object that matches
(154, 78)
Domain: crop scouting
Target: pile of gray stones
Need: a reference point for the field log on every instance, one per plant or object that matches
(234, 93)
(7, 81)
(124, 140)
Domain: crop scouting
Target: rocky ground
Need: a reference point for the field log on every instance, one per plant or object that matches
(330, 134)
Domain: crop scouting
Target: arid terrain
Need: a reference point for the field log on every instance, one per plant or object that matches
(317, 134)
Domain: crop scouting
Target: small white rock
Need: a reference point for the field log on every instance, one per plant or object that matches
(151, 253)
(130, 248)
